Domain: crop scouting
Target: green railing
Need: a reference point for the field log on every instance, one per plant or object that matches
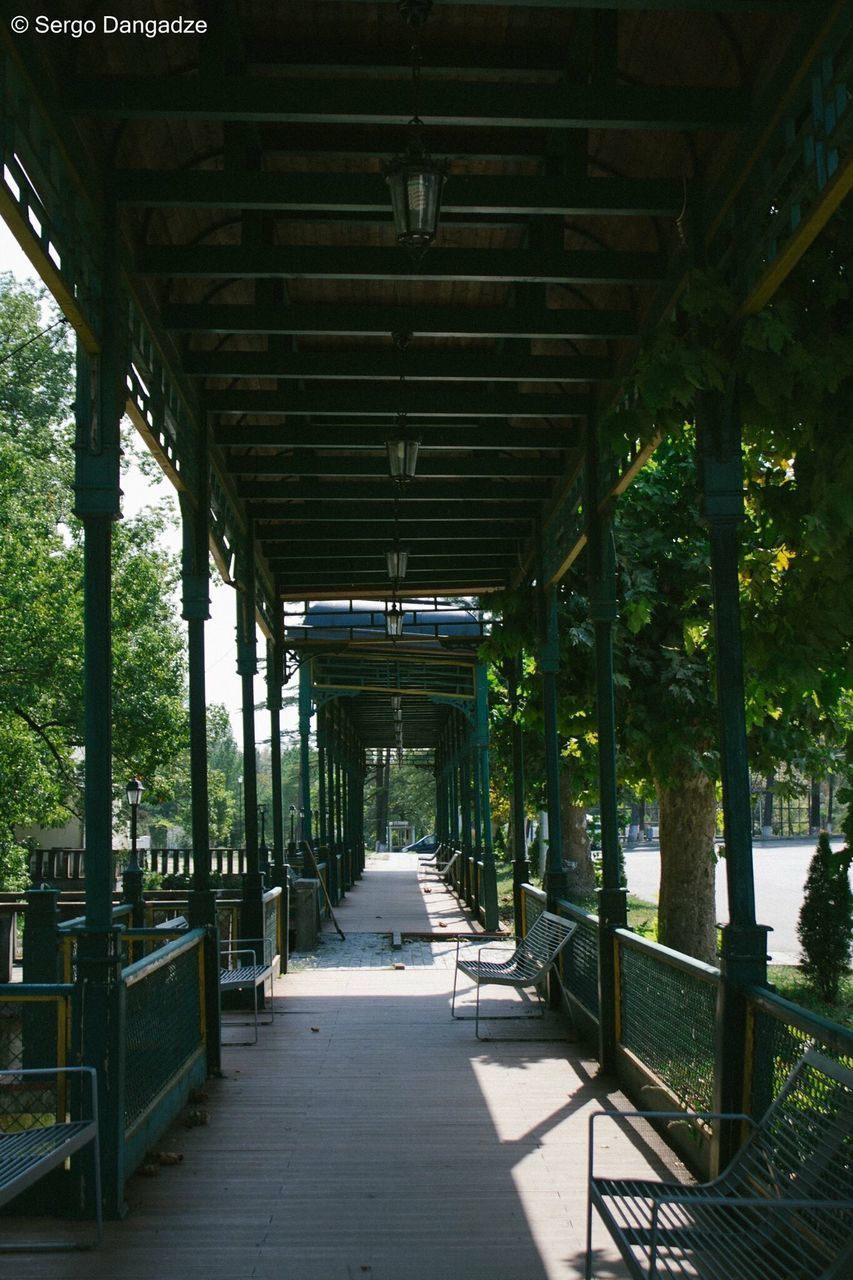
(163, 1050)
(579, 960)
(667, 1010)
(666, 1021)
(778, 1032)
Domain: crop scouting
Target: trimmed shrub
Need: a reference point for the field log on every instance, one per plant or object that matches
(825, 927)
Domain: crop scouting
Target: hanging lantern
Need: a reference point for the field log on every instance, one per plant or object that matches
(414, 178)
(402, 453)
(415, 181)
(394, 622)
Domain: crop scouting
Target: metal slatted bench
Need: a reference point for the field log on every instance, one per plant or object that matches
(28, 1154)
(242, 971)
(529, 963)
(782, 1210)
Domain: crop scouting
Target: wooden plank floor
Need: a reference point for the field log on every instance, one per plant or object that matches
(389, 896)
(368, 1135)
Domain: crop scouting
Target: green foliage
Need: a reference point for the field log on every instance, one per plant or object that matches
(825, 926)
(41, 579)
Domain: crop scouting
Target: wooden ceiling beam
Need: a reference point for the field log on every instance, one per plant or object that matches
(462, 105)
(363, 465)
(367, 401)
(384, 363)
(458, 438)
(360, 263)
(367, 193)
(516, 322)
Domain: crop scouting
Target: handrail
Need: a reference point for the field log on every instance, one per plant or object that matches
(836, 1037)
(164, 955)
(9, 989)
(696, 968)
(79, 922)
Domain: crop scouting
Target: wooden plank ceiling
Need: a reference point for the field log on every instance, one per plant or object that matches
(247, 163)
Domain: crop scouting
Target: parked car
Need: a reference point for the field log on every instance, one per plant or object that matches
(426, 844)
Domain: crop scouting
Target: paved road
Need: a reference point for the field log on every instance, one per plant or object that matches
(780, 873)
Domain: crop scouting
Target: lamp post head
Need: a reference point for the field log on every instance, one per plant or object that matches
(133, 791)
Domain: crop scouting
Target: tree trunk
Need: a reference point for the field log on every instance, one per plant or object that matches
(576, 843)
(686, 909)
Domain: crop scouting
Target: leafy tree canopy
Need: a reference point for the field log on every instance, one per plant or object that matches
(41, 581)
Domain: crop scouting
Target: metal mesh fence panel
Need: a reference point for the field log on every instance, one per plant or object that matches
(271, 924)
(32, 1034)
(778, 1045)
(667, 1019)
(163, 1030)
(580, 968)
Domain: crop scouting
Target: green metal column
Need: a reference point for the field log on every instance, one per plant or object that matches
(196, 611)
(275, 679)
(201, 909)
(463, 765)
(322, 799)
(520, 865)
(556, 880)
(473, 771)
(305, 748)
(252, 910)
(489, 884)
(612, 897)
(100, 400)
(744, 943)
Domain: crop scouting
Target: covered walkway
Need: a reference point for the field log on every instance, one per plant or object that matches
(368, 1134)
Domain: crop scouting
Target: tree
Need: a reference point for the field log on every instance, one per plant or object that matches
(41, 620)
(825, 926)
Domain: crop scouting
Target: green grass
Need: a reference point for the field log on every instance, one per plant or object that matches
(791, 983)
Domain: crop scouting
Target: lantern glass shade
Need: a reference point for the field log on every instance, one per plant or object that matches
(394, 622)
(415, 181)
(133, 791)
(402, 458)
(398, 562)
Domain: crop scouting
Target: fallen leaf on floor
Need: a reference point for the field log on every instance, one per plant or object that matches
(442, 924)
(315, 1028)
(166, 1158)
(197, 1117)
(148, 1171)
(399, 966)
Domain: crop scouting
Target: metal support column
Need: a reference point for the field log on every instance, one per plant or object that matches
(489, 883)
(252, 912)
(520, 865)
(744, 944)
(556, 881)
(305, 749)
(612, 897)
(100, 401)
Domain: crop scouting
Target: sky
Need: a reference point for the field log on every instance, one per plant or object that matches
(223, 683)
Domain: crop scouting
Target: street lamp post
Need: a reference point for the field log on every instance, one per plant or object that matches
(132, 878)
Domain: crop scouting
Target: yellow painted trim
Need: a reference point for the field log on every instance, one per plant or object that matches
(797, 244)
(138, 419)
(748, 1060)
(67, 957)
(202, 1003)
(617, 992)
(402, 689)
(47, 270)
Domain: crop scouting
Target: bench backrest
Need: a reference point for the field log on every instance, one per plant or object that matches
(798, 1146)
(542, 944)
